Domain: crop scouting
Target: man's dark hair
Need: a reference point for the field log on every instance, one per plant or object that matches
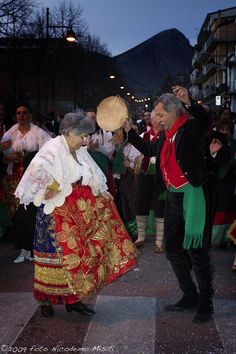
(23, 104)
(91, 110)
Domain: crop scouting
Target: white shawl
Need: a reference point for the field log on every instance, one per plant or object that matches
(55, 162)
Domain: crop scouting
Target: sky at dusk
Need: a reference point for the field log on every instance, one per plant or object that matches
(123, 24)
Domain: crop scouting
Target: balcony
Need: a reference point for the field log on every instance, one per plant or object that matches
(200, 57)
(223, 88)
(210, 69)
(220, 37)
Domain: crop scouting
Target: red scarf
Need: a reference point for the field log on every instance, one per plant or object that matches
(147, 137)
(166, 148)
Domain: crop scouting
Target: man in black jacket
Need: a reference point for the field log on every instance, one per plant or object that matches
(181, 164)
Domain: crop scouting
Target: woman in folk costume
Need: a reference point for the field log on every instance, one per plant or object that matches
(26, 139)
(81, 244)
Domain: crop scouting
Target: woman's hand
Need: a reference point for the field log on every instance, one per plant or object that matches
(14, 157)
(106, 195)
(93, 145)
(52, 190)
(5, 145)
(49, 194)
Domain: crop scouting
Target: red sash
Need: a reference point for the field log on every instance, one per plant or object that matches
(171, 171)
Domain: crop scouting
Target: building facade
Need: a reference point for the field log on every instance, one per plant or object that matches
(53, 76)
(213, 76)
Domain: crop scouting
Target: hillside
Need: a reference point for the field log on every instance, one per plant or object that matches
(144, 67)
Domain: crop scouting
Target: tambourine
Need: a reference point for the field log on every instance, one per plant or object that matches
(112, 113)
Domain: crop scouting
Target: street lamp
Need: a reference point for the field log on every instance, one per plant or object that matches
(70, 36)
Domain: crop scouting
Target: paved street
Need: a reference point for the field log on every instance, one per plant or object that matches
(129, 315)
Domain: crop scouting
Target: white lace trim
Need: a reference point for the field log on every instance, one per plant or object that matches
(55, 162)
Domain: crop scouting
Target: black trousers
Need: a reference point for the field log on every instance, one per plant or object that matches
(181, 260)
(146, 197)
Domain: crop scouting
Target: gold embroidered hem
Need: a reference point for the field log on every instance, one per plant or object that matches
(91, 245)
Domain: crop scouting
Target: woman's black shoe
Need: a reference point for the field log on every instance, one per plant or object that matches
(46, 310)
(79, 307)
(87, 309)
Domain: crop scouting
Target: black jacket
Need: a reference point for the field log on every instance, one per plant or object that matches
(222, 157)
(189, 147)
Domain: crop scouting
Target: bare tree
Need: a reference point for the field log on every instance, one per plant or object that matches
(15, 17)
(59, 19)
(93, 44)
(20, 18)
(68, 14)
(38, 26)
(63, 16)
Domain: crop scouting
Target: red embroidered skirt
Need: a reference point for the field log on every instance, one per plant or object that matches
(79, 248)
(232, 232)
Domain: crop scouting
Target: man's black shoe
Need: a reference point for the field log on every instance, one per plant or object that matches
(202, 318)
(205, 311)
(182, 305)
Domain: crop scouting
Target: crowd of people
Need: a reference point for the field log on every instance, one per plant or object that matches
(80, 201)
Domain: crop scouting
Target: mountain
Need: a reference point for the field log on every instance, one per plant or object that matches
(145, 67)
